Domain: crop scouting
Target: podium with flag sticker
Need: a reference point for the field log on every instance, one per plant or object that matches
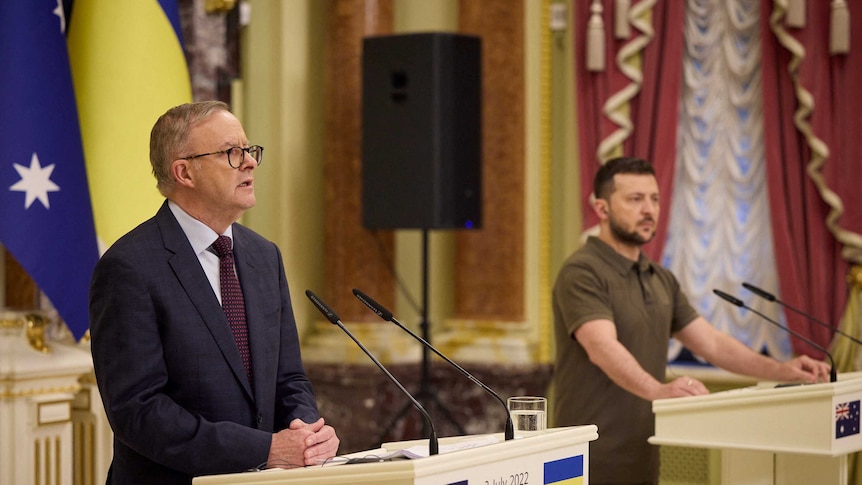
(769, 433)
(555, 456)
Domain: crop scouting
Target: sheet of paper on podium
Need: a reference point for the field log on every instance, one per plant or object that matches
(412, 452)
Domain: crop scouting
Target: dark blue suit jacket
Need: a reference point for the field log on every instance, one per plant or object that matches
(170, 375)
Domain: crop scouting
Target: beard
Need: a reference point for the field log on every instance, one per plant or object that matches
(629, 237)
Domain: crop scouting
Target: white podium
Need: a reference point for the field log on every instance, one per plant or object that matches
(770, 435)
(555, 455)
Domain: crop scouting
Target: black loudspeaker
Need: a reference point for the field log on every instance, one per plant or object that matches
(421, 131)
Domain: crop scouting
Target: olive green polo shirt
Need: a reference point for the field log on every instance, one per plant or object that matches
(647, 306)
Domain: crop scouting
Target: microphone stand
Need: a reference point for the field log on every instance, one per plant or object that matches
(770, 297)
(426, 394)
(833, 373)
(433, 445)
(387, 315)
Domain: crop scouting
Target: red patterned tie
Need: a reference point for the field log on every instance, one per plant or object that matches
(232, 301)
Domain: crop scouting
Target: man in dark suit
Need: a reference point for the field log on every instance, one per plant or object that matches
(191, 388)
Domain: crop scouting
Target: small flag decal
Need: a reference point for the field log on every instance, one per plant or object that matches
(846, 419)
(566, 471)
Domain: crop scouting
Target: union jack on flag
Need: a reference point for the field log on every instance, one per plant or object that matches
(846, 419)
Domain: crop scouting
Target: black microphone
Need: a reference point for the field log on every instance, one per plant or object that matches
(387, 315)
(770, 297)
(433, 446)
(833, 376)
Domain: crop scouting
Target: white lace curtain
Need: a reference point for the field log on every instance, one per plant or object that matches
(719, 232)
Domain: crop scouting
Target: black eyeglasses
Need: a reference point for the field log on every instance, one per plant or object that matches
(235, 154)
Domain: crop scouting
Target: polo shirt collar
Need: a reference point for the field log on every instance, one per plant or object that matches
(616, 260)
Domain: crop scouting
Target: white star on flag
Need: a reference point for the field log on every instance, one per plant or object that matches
(59, 12)
(35, 181)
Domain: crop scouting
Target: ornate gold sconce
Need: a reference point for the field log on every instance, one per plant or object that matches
(36, 332)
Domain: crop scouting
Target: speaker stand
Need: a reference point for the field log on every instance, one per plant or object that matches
(426, 395)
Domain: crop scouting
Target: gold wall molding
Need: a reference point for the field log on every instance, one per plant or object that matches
(54, 411)
(541, 283)
(35, 391)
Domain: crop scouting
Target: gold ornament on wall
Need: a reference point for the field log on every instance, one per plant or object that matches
(36, 332)
(219, 6)
(33, 326)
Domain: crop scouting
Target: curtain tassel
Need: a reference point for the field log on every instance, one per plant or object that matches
(596, 38)
(622, 29)
(795, 14)
(839, 30)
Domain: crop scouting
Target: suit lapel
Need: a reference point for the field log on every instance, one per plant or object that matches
(187, 268)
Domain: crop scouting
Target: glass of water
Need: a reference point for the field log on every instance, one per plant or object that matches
(529, 414)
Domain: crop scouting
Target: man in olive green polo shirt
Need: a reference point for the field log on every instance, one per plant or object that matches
(614, 312)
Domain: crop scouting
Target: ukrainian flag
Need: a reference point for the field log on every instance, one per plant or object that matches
(128, 68)
(567, 471)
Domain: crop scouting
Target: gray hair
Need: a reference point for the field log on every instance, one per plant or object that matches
(169, 138)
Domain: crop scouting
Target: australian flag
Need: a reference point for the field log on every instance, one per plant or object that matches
(46, 221)
(846, 419)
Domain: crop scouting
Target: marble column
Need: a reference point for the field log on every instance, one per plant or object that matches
(355, 257)
(490, 279)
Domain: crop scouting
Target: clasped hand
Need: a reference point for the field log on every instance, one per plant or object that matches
(302, 444)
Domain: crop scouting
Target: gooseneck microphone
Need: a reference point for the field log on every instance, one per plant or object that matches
(433, 446)
(387, 315)
(833, 375)
(770, 297)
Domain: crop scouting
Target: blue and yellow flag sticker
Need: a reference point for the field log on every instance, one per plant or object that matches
(566, 471)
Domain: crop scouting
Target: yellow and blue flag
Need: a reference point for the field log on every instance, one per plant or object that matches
(566, 471)
(128, 68)
(46, 221)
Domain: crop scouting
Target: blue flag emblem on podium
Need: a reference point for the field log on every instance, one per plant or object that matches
(566, 471)
(46, 221)
(846, 419)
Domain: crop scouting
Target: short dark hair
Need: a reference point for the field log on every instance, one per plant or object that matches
(603, 184)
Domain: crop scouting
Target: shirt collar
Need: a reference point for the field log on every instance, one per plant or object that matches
(199, 234)
(616, 260)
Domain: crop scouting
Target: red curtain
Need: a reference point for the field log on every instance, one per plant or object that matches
(811, 268)
(653, 109)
